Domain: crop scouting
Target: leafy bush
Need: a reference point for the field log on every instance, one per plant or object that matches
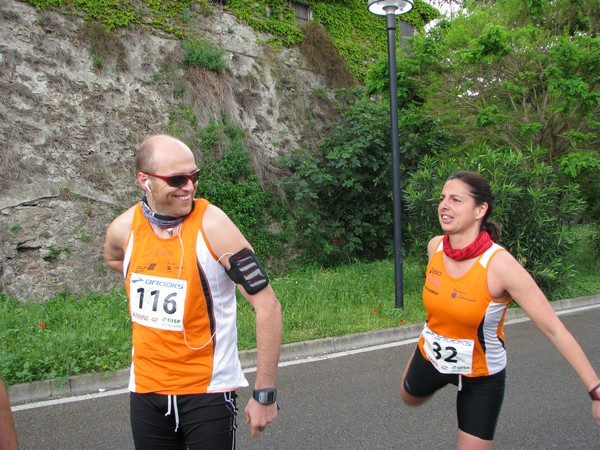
(341, 197)
(596, 239)
(583, 168)
(535, 211)
(228, 181)
(204, 54)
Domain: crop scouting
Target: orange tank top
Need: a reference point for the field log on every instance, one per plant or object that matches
(463, 332)
(183, 311)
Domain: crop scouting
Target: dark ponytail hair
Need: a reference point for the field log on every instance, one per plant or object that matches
(481, 191)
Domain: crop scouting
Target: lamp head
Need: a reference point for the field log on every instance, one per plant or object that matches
(384, 7)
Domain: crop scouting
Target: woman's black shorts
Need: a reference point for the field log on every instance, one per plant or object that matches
(478, 401)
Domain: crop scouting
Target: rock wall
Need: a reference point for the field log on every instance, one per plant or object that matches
(70, 124)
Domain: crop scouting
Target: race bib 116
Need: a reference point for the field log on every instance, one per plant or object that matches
(157, 302)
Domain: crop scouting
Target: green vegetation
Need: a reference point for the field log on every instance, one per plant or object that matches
(53, 253)
(358, 36)
(63, 336)
(274, 17)
(229, 181)
(169, 16)
(204, 54)
(583, 167)
(69, 335)
(532, 207)
(500, 90)
(318, 303)
(340, 196)
(583, 257)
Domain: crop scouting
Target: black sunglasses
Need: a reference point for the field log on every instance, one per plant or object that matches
(178, 180)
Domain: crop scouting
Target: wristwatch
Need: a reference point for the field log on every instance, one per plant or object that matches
(595, 393)
(265, 396)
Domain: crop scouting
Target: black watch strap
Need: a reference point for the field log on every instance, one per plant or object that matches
(265, 396)
(595, 393)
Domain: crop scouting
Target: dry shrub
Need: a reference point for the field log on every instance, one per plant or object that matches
(209, 94)
(7, 15)
(265, 167)
(59, 54)
(10, 91)
(16, 132)
(13, 165)
(11, 59)
(13, 169)
(53, 24)
(204, 80)
(103, 45)
(100, 172)
(170, 57)
(323, 56)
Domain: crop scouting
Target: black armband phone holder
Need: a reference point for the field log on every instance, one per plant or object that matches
(247, 271)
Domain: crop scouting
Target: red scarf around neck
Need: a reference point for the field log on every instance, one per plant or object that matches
(475, 248)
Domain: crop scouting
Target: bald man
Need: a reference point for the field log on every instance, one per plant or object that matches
(182, 259)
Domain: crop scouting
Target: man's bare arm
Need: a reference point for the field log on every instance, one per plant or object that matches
(116, 240)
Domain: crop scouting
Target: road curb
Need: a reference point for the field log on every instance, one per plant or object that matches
(99, 382)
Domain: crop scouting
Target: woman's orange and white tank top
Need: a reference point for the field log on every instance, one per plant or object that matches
(463, 332)
(183, 311)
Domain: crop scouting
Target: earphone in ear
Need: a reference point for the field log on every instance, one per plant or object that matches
(148, 186)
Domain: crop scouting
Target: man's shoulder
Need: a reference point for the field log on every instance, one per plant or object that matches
(122, 223)
(127, 215)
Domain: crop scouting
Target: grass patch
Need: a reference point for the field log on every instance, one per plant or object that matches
(584, 259)
(69, 335)
(204, 54)
(318, 303)
(63, 336)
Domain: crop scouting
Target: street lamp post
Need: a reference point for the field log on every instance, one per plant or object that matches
(392, 8)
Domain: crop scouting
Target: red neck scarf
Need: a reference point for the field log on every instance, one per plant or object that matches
(475, 248)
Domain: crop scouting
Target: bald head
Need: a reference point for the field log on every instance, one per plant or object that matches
(158, 148)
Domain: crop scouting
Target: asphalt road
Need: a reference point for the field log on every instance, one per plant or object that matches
(352, 402)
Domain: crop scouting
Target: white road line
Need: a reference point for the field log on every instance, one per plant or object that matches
(327, 356)
(60, 401)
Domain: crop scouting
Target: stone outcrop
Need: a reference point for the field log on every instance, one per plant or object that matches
(70, 123)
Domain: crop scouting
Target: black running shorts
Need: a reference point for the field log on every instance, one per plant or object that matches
(193, 422)
(478, 400)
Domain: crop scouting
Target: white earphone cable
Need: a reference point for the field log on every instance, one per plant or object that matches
(218, 296)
